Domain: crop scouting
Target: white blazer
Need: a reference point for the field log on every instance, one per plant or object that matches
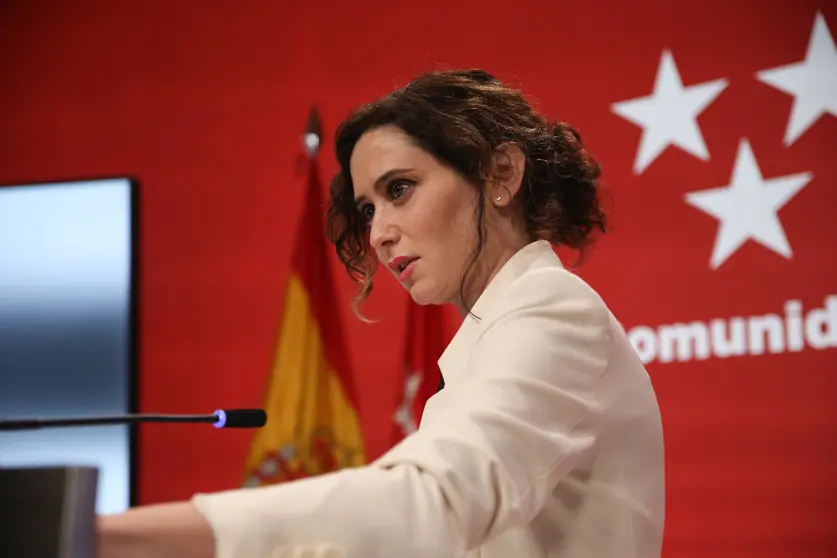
(546, 442)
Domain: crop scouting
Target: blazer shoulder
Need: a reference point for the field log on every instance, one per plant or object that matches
(552, 291)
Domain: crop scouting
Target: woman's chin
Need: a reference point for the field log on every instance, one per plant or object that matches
(418, 299)
(423, 296)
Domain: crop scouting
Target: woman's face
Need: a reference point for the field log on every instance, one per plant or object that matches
(421, 214)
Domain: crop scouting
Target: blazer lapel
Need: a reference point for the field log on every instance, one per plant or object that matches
(490, 305)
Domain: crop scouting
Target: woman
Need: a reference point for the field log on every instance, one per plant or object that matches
(546, 440)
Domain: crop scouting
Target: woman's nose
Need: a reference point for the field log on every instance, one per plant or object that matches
(382, 232)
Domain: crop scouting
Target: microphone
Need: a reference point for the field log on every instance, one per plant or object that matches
(222, 418)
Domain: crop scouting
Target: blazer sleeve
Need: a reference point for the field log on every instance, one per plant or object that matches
(522, 415)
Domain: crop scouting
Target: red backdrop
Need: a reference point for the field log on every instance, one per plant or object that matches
(205, 102)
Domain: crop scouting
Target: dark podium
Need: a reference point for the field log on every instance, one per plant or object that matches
(48, 512)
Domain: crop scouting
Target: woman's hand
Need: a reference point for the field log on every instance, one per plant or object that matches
(160, 531)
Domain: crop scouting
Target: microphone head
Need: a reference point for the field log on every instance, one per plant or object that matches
(240, 418)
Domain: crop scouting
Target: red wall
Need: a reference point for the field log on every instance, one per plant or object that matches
(204, 102)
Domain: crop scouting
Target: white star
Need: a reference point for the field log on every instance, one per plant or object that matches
(812, 82)
(669, 115)
(748, 207)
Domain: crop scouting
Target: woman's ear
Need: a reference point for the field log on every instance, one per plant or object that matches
(508, 165)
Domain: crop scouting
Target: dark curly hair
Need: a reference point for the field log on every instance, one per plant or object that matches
(461, 117)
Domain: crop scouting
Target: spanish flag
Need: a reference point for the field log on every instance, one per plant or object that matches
(313, 425)
(424, 344)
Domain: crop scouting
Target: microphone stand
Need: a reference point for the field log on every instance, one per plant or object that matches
(229, 418)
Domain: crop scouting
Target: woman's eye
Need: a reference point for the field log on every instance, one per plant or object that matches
(367, 211)
(399, 188)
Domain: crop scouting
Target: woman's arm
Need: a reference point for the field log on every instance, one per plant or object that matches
(174, 530)
(523, 409)
(522, 414)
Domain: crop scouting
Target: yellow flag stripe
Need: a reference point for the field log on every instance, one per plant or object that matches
(312, 424)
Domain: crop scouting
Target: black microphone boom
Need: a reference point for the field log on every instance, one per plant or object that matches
(229, 418)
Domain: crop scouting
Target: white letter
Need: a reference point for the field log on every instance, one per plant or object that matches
(644, 341)
(769, 324)
(793, 321)
(821, 325)
(724, 344)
